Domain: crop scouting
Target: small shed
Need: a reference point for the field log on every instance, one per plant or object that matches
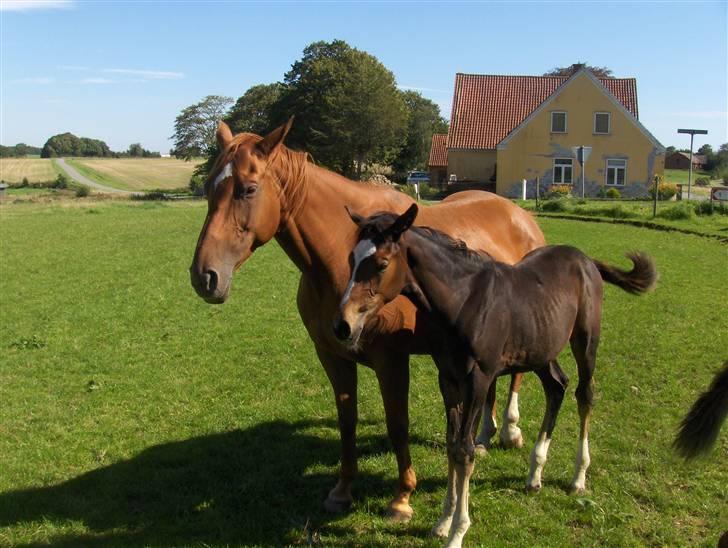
(681, 160)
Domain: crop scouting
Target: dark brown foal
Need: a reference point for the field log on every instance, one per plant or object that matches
(500, 319)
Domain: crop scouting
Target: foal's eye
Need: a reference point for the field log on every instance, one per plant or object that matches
(383, 266)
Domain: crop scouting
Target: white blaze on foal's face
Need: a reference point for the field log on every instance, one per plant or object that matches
(364, 249)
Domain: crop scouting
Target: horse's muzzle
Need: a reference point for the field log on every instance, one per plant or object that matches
(207, 285)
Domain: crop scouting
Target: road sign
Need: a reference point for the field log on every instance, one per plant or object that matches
(581, 154)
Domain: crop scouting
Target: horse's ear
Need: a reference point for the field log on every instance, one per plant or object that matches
(354, 217)
(274, 139)
(224, 135)
(402, 223)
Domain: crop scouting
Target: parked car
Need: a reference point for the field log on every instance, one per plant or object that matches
(417, 177)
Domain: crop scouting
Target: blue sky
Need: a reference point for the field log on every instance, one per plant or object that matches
(122, 71)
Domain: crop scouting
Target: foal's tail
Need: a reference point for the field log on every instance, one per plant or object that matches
(640, 279)
(699, 429)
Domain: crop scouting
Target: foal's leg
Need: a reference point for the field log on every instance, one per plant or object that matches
(554, 382)
(452, 399)
(510, 434)
(584, 347)
(489, 426)
(343, 378)
(393, 376)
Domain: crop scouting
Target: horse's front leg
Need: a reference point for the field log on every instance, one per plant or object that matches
(393, 375)
(489, 425)
(343, 378)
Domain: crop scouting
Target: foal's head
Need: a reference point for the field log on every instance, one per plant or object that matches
(379, 271)
(245, 205)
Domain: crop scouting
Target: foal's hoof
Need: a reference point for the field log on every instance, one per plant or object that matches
(480, 450)
(337, 505)
(577, 490)
(399, 512)
(441, 530)
(533, 489)
(511, 440)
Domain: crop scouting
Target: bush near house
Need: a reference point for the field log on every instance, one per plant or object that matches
(557, 191)
(702, 181)
(665, 191)
(613, 194)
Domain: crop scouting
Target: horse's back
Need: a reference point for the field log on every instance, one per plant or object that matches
(486, 222)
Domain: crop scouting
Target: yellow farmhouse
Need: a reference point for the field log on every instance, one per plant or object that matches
(504, 129)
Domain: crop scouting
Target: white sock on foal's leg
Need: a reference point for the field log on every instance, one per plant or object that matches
(510, 434)
(461, 518)
(442, 527)
(578, 486)
(538, 459)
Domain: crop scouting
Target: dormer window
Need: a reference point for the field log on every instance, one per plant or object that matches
(558, 122)
(602, 123)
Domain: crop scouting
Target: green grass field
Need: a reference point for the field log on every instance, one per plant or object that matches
(137, 173)
(135, 414)
(36, 170)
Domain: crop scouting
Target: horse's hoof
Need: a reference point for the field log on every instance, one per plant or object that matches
(577, 491)
(399, 512)
(512, 441)
(533, 489)
(481, 450)
(441, 530)
(337, 505)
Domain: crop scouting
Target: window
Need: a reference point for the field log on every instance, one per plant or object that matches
(602, 122)
(616, 172)
(558, 122)
(562, 170)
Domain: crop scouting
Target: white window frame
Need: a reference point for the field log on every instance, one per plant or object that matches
(615, 168)
(562, 166)
(609, 123)
(566, 121)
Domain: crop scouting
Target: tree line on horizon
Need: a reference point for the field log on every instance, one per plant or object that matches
(68, 144)
(349, 114)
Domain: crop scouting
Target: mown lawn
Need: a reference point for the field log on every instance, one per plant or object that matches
(135, 414)
(137, 174)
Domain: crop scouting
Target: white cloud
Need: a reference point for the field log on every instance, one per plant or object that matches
(148, 74)
(27, 5)
(40, 80)
(98, 81)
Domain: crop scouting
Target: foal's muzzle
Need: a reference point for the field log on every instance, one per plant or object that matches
(342, 330)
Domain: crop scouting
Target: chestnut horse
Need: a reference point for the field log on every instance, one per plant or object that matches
(259, 189)
(499, 318)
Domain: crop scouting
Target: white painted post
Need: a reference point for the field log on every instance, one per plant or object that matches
(524, 188)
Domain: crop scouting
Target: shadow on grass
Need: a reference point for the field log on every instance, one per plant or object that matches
(251, 486)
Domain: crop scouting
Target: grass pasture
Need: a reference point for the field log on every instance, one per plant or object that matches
(37, 170)
(137, 174)
(135, 414)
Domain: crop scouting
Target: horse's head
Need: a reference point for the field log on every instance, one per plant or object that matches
(244, 208)
(379, 271)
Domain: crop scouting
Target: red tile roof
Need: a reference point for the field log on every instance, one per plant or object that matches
(487, 108)
(438, 150)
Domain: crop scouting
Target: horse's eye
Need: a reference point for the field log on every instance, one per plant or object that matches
(383, 265)
(250, 190)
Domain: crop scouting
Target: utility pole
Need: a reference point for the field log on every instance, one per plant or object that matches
(693, 133)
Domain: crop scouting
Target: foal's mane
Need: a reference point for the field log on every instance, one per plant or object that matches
(456, 247)
(289, 170)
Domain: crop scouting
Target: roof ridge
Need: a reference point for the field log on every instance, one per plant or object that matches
(534, 76)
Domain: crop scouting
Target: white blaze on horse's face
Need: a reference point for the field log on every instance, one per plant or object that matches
(226, 172)
(364, 249)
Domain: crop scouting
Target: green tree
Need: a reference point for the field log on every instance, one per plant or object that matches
(136, 150)
(348, 110)
(599, 72)
(194, 128)
(423, 120)
(251, 112)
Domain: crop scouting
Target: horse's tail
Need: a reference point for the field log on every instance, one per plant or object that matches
(640, 279)
(699, 429)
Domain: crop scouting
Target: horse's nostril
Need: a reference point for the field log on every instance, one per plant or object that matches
(342, 330)
(209, 278)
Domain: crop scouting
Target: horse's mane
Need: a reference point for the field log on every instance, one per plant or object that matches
(289, 170)
(457, 247)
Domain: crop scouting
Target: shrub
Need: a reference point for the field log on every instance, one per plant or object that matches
(665, 191)
(613, 194)
(25, 182)
(557, 191)
(702, 181)
(82, 191)
(677, 212)
(706, 208)
(61, 181)
(554, 205)
(197, 184)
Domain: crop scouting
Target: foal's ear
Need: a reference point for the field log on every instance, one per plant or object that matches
(274, 139)
(224, 135)
(403, 222)
(354, 217)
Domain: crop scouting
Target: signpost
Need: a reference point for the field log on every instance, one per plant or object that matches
(693, 133)
(581, 153)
